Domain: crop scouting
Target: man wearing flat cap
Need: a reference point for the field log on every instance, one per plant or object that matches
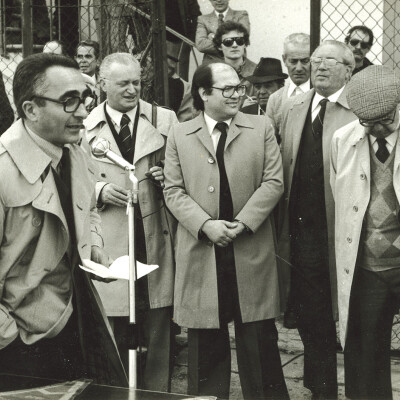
(267, 78)
(365, 180)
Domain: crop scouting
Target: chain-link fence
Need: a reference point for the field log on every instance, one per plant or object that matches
(116, 25)
(382, 17)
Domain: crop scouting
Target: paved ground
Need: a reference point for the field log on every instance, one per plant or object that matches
(291, 350)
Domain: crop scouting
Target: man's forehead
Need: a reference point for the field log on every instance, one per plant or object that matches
(297, 50)
(59, 80)
(357, 34)
(85, 50)
(329, 51)
(118, 70)
(224, 74)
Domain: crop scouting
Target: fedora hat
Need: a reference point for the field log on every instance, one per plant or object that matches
(267, 70)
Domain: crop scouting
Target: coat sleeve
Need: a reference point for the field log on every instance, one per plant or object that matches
(203, 42)
(8, 326)
(182, 206)
(264, 199)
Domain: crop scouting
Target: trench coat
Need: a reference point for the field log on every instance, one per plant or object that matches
(34, 237)
(294, 113)
(254, 171)
(351, 187)
(158, 223)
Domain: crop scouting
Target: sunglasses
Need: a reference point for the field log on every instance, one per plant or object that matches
(363, 45)
(229, 41)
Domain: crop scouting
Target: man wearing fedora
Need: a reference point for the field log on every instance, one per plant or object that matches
(267, 78)
(365, 180)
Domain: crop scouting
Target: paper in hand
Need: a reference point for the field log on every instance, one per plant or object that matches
(119, 269)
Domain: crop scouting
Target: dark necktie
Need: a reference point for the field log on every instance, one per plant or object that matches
(65, 168)
(225, 199)
(382, 153)
(318, 123)
(125, 145)
(220, 19)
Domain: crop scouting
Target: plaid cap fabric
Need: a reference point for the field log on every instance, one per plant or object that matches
(373, 92)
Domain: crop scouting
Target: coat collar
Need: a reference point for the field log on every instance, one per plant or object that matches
(148, 138)
(19, 144)
(198, 126)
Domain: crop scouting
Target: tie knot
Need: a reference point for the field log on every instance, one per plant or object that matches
(323, 102)
(221, 17)
(222, 127)
(125, 120)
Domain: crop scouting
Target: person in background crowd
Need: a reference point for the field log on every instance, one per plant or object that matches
(6, 111)
(267, 78)
(179, 91)
(296, 57)
(137, 132)
(208, 24)
(51, 322)
(231, 39)
(220, 219)
(365, 184)
(55, 47)
(360, 40)
(306, 212)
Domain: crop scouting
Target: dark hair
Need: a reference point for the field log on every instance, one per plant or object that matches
(202, 78)
(90, 43)
(227, 27)
(29, 77)
(59, 43)
(364, 30)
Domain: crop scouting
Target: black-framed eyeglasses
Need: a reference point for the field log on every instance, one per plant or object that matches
(70, 105)
(294, 61)
(328, 62)
(228, 42)
(363, 45)
(385, 120)
(228, 91)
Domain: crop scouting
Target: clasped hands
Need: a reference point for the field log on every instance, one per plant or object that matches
(222, 232)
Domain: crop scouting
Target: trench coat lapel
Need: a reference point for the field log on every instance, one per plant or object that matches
(300, 108)
(148, 138)
(240, 120)
(198, 127)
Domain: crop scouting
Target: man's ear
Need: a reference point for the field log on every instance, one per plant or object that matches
(103, 85)
(202, 94)
(31, 110)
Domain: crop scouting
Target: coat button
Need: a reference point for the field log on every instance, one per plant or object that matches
(355, 208)
(36, 221)
(362, 176)
(103, 175)
(347, 270)
(211, 189)
(349, 239)
(165, 232)
(210, 160)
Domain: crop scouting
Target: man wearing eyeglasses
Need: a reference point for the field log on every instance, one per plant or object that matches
(306, 223)
(137, 132)
(231, 39)
(296, 57)
(223, 178)
(360, 40)
(208, 24)
(365, 184)
(51, 320)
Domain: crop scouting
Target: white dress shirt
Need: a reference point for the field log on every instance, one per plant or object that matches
(304, 88)
(214, 133)
(117, 115)
(315, 107)
(390, 141)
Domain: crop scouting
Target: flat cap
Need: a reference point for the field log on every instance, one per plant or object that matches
(373, 92)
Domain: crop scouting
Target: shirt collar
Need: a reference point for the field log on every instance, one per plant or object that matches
(332, 98)
(224, 13)
(305, 87)
(117, 115)
(391, 139)
(210, 123)
(50, 149)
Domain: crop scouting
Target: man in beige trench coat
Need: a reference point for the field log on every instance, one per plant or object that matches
(222, 184)
(120, 79)
(365, 179)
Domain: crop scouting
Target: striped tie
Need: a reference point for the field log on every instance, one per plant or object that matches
(318, 122)
(125, 145)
